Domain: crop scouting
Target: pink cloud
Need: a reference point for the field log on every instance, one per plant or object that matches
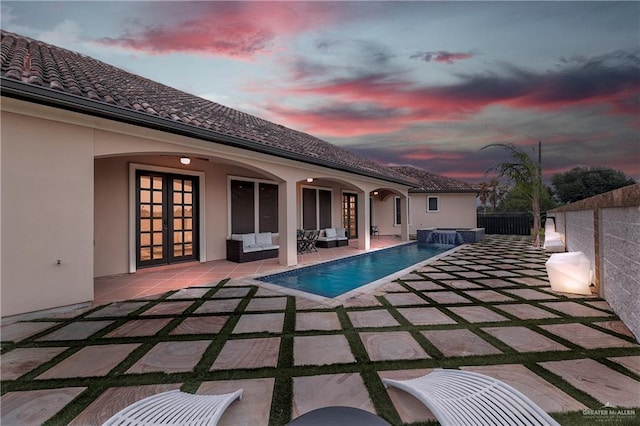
(613, 89)
(232, 29)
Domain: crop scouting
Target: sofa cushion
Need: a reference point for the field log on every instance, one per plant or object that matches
(341, 233)
(252, 248)
(248, 240)
(236, 237)
(264, 239)
(330, 232)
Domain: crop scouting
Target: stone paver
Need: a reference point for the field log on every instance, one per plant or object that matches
(35, 407)
(541, 392)
(76, 331)
(606, 385)
(489, 296)
(200, 325)
(254, 407)
(190, 293)
(114, 400)
(425, 285)
(425, 316)
(336, 389)
(403, 299)
(171, 357)
(575, 309)
(117, 309)
(23, 360)
(392, 346)
(410, 409)
(586, 336)
(477, 314)
(248, 353)
(445, 297)
(168, 308)
(267, 304)
(306, 321)
(460, 342)
(218, 306)
(526, 312)
(143, 327)
(374, 318)
(461, 284)
(231, 292)
(258, 323)
(523, 339)
(530, 294)
(90, 361)
(21, 330)
(321, 350)
(630, 362)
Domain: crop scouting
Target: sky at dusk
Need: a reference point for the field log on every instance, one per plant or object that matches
(426, 84)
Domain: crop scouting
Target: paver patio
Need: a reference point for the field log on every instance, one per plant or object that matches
(292, 355)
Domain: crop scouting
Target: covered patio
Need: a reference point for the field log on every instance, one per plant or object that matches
(486, 307)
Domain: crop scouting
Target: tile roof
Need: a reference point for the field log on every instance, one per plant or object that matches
(38, 64)
(428, 182)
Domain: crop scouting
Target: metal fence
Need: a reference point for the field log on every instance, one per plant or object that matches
(506, 223)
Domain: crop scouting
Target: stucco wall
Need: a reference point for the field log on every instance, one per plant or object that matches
(455, 211)
(47, 214)
(112, 207)
(621, 263)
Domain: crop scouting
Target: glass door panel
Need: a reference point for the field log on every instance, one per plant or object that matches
(350, 214)
(166, 218)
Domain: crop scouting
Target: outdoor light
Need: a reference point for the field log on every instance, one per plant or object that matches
(185, 160)
(309, 180)
(569, 272)
(375, 192)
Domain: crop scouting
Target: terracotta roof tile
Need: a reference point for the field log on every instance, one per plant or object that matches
(429, 182)
(36, 63)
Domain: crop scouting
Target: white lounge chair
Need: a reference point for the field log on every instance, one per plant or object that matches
(460, 398)
(175, 408)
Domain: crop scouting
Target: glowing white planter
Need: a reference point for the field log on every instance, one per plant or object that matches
(569, 272)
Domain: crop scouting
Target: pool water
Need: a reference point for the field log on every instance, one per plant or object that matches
(340, 276)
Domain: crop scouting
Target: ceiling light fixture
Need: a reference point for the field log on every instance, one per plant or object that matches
(309, 180)
(375, 192)
(185, 160)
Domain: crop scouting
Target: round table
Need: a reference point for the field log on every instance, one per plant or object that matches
(334, 416)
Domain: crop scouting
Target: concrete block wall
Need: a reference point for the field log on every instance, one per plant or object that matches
(579, 233)
(620, 254)
(606, 228)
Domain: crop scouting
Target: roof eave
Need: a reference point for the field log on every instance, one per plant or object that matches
(40, 95)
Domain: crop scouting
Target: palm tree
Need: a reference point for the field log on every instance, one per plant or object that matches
(484, 188)
(526, 173)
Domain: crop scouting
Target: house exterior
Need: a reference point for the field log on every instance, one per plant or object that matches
(104, 172)
(435, 202)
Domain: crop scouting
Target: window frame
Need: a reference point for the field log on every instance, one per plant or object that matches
(256, 204)
(317, 190)
(434, 197)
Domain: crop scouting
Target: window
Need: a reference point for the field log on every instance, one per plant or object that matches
(397, 211)
(254, 206)
(433, 204)
(316, 208)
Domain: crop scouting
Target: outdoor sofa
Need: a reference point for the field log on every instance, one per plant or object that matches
(332, 237)
(252, 246)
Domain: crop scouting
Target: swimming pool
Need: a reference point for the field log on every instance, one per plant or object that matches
(340, 276)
